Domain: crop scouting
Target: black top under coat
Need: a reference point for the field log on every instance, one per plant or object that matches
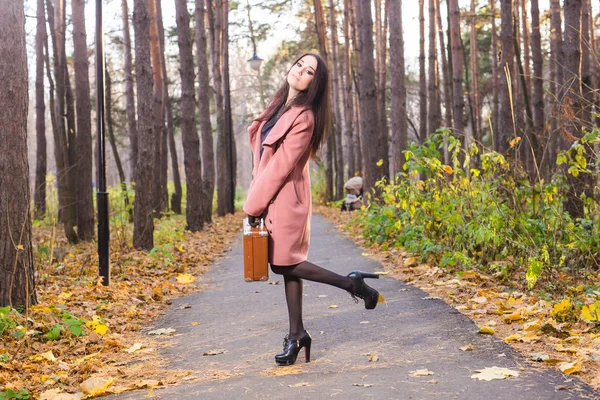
(267, 129)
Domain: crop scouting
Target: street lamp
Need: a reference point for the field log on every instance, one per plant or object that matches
(255, 62)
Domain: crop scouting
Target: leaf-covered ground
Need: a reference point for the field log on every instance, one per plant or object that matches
(83, 339)
(550, 331)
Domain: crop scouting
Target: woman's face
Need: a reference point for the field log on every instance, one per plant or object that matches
(302, 73)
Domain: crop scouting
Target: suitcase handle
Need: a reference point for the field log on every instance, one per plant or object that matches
(249, 230)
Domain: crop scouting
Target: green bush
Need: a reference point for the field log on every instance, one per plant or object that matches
(490, 216)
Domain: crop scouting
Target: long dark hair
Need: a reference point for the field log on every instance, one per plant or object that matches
(315, 97)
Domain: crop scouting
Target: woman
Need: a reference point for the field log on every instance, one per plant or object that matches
(283, 138)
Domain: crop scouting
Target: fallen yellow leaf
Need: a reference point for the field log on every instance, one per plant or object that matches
(571, 368)
(561, 348)
(488, 374)
(185, 278)
(486, 330)
(97, 325)
(40, 308)
(533, 325)
(516, 316)
(48, 356)
(135, 347)
(334, 306)
(300, 384)
(514, 303)
(420, 372)
(591, 313)
(561, 308)
(96, 386)
(513, 338)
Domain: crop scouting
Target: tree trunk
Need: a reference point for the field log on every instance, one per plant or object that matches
(113, 142)
(495, 75)
(586, 71)
(369, 123)
(66, 204)
(445, 69)
(83, 163)
(506, 127)
(595, 66)
(51, 94)
(339, 176)
(350, 125)
(474, 77)
(457, 69)
(17, 279)
(71, 134)
(208, 158)
(143, 227)
(571, 106)
(329, 148)
(40, 116)
(538, 82)
(381, 50)
(433, 87)
(159, 112)
(518, 94)
(129, 98)
(556, 142)
(189, 135)
(214, 29)
(358, 156)
(398, 87)
(170, 128)
(167, 130)
(422, 78)
(178, 193)
(526, 47)
(228, 137)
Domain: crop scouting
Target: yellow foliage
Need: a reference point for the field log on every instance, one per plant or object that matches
(96, 386)
(186, 278)
(488, 330)
(516, 316)
(591, 313)
(572, 367)
(97, 325)
(514, 142)
(514, 303)
(561, 308)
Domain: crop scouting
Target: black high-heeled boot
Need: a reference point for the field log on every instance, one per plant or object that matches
(291, 348)
(362, 290)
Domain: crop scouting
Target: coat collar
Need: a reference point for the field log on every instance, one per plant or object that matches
(280, 128)
(283, 125)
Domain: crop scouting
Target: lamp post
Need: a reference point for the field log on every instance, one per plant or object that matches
(255, 62)
(101, 194)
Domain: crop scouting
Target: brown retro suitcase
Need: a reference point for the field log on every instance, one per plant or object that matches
(256, 253)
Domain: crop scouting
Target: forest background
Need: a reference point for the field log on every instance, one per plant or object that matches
(477, 138)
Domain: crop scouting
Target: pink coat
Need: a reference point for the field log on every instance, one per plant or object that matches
(280, 187)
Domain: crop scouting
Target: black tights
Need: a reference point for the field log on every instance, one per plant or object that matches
(292, 277)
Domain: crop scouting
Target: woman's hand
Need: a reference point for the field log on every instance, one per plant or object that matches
(253, 221)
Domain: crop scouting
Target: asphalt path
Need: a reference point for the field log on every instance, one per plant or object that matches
(356, 353)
